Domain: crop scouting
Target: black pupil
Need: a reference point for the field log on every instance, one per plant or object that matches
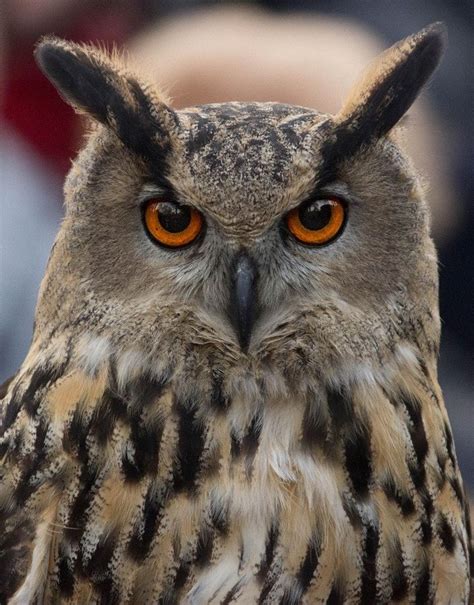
(174, 218)
(316, 215)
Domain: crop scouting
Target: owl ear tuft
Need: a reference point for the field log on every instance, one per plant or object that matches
(94, 84)
(388, 88)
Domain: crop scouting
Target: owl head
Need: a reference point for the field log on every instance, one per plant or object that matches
(241, 235)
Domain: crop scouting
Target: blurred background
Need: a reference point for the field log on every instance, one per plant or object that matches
(296, 51)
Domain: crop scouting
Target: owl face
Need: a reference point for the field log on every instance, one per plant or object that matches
(255, 233)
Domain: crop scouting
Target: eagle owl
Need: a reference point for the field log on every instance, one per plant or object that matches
(231, 394)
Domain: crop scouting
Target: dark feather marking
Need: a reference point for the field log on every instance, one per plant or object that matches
(145, 530)
(397, 495)
(211, 462)
(358, 460)
(426, 533)
(241, 556)
(448, 539)
(204, 546)
(441, 475)
(350, 508)
(65, 573)
(416, 428)
(270, 548)
(110, 409)
(250, 441)
(11, 448)
(15, 535)
(31, 465)
(248, 445)
(340, 407)
(144, 391)
(77, 515)
(457, 489)
(369, 572)
(12, 410)
(264, 592)
(182, 575)
(288, 130)
(251, 438)
(417, 474)
(167, 597)
(470, 545)
(264, 573)
(190, 447)
(104, 94)
(42, 377)
(422, 596)
(139, 128)
(423, 367)
(200, 134)
(315, 424)
(232, 594)
(426, 500)
(112, 375)
(145, 434)
(219, 401)
(146, 440)
(219, 518)
(109, 593)
(467, 516)
(336, 597)
(15, 551)
(96, 569)
(280, 150)
(386, 103)
(97, 565)
(75, 436)
(450, 445)
(399, 580)
(218, 524)
(308, 567)
(79, 79)
(171, 593)
(235, 446)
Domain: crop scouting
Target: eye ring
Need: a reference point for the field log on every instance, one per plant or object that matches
(317, 222)
(170, 224)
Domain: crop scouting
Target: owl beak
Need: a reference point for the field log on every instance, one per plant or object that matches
(243, 297)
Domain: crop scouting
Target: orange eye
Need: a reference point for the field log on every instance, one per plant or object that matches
(317, 222)
(171, 224)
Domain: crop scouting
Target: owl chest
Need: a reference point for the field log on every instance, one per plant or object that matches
(238, 496)
(236, 504)
(165, 499)
(259, 511)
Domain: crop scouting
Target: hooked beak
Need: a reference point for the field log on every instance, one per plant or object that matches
(243, 297)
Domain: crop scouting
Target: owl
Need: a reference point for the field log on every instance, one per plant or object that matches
(231, 393)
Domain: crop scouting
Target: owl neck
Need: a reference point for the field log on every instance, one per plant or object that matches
(262, 426)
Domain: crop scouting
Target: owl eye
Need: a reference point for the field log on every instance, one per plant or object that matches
(171, 224)
(317, 222)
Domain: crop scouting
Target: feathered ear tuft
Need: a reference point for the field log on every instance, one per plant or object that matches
(90, 81)
(387, 90)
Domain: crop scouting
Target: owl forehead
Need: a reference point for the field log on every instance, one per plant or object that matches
(246, 161)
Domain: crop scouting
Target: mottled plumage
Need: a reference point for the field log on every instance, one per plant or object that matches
(148, 455)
